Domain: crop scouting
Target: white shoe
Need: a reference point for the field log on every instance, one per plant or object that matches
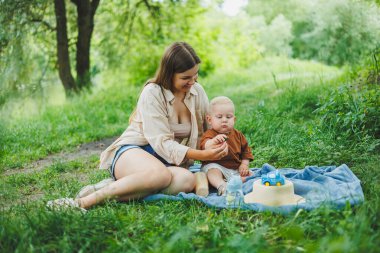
(88, 189)
(64, 203)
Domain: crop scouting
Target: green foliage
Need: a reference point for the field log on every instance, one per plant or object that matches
(128, 41)
(234, 44)
(274, 37)
(335, 32)
(133, 39)
(24, 61)
(353, 111)
(130, 37)
(343, 32)
(367, 71)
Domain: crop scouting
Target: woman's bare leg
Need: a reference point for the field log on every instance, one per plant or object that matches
(138, 174)
(182, 181)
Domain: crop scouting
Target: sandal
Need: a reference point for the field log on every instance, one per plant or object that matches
(64, 204)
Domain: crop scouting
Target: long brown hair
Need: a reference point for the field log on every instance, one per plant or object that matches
(178, 58)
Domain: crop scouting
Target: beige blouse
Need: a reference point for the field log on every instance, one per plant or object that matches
(181, 132)
(150, 125)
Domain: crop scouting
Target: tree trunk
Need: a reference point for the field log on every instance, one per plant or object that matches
(63, 48)
(85, 11)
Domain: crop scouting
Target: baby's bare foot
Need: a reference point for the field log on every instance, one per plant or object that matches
(221, 189)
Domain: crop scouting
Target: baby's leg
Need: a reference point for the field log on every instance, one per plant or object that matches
(216, 179)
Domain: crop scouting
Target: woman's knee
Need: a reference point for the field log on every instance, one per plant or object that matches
(188, 181)
(158, 177)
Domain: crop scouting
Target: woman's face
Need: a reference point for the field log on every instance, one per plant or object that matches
(182, 82)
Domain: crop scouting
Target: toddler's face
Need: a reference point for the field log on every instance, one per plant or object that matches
(222, 118)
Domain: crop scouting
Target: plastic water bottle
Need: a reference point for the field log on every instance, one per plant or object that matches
(234, 191)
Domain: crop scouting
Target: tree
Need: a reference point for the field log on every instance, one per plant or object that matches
(63, 57)
(85, 21)
(21, 20)
(39, 37)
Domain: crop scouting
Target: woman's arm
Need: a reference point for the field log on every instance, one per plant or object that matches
(209, 154)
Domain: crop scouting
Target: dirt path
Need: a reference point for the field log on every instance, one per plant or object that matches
(84, 150)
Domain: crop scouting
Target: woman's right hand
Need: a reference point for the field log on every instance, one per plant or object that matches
(216, 141)
(216, 153)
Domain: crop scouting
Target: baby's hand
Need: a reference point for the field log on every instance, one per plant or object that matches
(244, 170)
(220, 138)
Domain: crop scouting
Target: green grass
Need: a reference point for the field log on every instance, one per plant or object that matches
(82, 119)
(277, 103)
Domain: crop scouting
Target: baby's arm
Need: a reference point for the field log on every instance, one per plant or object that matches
(244, 168)
(246, 156)
(216, 141)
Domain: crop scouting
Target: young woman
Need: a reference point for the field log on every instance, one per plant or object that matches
(154, 152)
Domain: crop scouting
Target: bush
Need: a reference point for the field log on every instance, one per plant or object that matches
(335, 32)
(274, 37)
(353, 110)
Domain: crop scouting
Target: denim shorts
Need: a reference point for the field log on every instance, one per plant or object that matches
(148, 148)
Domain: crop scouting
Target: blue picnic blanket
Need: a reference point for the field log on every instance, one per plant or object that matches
(327, 185)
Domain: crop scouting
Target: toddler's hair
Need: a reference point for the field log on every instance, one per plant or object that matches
(220, 100)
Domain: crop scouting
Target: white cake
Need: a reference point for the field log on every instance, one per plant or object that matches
(273, 195)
